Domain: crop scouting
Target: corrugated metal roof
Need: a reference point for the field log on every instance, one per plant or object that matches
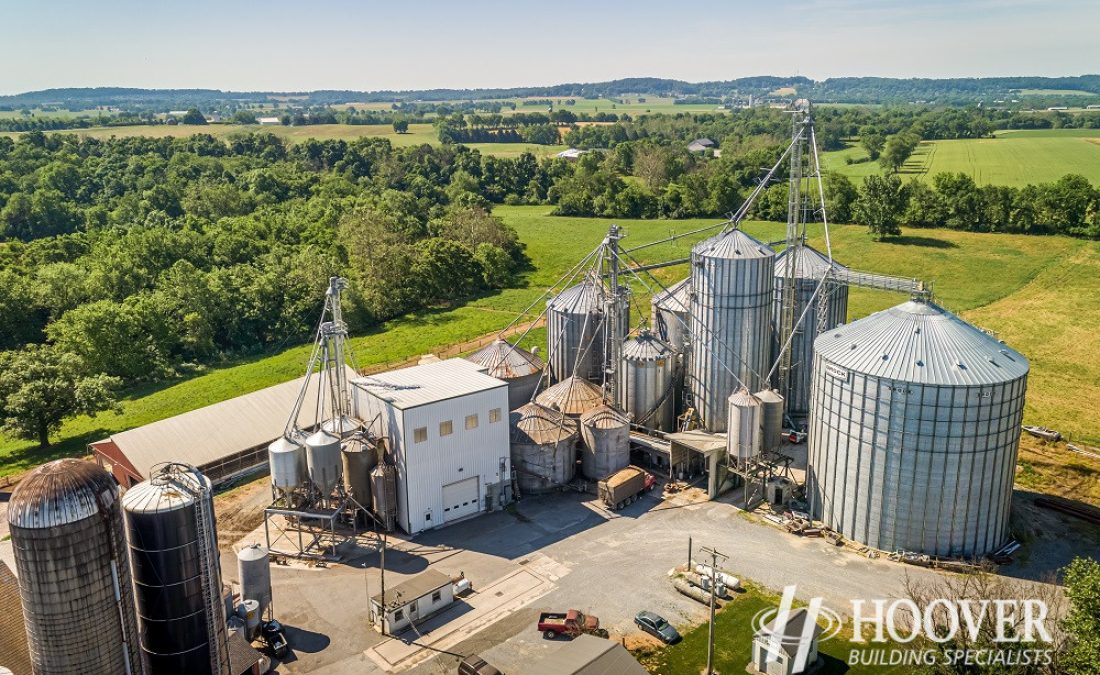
(587, 296)
(605, 417)
(538, 425)
(572, 396)
(61, 492)
(419, 385)
(409, 590)
(502, 359)
(809, 263)
(923, 343)
(645, 347)
(731, 245)
(587, 655)
(677, 298)
(216, 431)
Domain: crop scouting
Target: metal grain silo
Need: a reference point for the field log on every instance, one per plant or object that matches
(606, 434)
(914, 429)
(543, 448)
(383, 494)
(359, 457)
(572, 396)
(74, 574)
(177, 575)
(810, 265)
(323, 460)
(521, 369)
(286, 458)
(671, 314)
(254, 572)
(575, 330)
(731, 313)
(745, 430)
(771, 419)
(648, 389)
(342, 427)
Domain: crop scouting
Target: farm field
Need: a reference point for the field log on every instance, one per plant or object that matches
(1041, 294)
(1015, 157)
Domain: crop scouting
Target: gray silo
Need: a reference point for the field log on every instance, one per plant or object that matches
(771, 419)
(359, 457)
(543, 448)
(521, 369)
(323, 460)
(809, 267)
(286, 457)
(254, 572)
(606, 434)
(383, 492)
(74, 574)
(177, 575)
(575, 330)
(671, 314)
(743, 438)
(914, 429)
(572, 396)
(648, 391)
(731, 313)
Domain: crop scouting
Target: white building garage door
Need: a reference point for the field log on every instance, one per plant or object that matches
(460, 499)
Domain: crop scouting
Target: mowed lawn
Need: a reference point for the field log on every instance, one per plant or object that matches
(1013, 158)
(1042, 294)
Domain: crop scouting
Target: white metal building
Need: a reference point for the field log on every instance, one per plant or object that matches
(446, 426)
(416, 599)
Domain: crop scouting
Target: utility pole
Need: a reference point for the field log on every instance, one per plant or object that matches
(714, 556)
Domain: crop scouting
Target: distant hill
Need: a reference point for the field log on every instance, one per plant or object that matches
(835, 90)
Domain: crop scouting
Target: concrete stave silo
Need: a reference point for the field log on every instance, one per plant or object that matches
(648, 390)
(606, 434)
(521, 369)
(70, 553)
(731, 312)
(174, 553)
(543, 448)
(810, 265)
(914, 431)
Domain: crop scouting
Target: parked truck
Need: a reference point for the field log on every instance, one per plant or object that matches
(625, 487)
(571, 623)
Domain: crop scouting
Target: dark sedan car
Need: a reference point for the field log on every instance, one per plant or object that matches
(655, 625)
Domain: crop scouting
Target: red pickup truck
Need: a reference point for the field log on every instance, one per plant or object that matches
(571, 623)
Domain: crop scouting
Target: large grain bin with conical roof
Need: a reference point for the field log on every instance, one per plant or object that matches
(648, 389)
(74, 572)
(521, 369)
(809, 267)
(606, 434)
(543, 448)
(731, 314)
(671, 314)
(914, 430)
(572, 396)
(575, 330)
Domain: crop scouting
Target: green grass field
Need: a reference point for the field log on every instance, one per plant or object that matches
(1041, 294)
(1013, 158)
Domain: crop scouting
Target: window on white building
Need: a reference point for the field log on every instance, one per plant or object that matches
(437, 596)
(446, 428)
(399, 615)
(494, 415)
(420, 434)
(471, 421)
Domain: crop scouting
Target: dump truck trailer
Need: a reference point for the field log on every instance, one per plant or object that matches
(625, 487)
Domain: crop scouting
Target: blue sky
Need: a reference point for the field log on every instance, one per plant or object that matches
(278, 45)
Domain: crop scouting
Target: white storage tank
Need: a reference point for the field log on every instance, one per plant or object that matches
(324, 461)
(648, 389)
(606, 434)
(254, 572)
(287, 459)
(543, 448)
(771, 419)
(731, 314)
(745, 432)
(521, 369)
(572, 396)
(810, 265)
(913, 432)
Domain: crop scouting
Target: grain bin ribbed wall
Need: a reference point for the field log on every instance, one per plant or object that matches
(671, 314)
(521, 369)
(70, 554)
(177, 574)
(743, 438)
(575, 331)
(359, 457)
(543, 448)
(914, 430)
(648, 387)
(810, 266)
(731, 306)
(606, 434)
